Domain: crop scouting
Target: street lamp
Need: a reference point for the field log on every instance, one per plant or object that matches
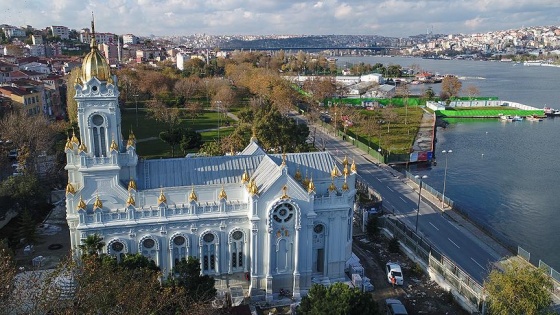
(379, 150)
(444, 178)
(419, 197)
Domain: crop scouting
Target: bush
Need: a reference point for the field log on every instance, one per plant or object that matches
(394, 246)
(372, 227)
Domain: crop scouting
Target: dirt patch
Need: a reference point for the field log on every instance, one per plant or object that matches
(419, 294)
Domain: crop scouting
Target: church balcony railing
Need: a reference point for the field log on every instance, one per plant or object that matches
(99, 161)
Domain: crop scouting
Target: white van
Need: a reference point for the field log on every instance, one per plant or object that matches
(394, 270)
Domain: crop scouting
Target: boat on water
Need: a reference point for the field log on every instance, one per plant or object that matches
(510, 118)
(534, 118)
(517, 118)
(551, 112)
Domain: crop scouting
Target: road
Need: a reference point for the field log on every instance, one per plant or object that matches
(401, 197)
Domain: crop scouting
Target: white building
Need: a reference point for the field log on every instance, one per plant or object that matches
(284, 221)
(130, 39)
(60, 31)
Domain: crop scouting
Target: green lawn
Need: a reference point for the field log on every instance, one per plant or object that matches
(487, 112)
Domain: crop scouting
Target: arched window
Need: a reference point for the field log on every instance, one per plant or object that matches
(318, 248)
(117, 248)
(236, 247)
(98, 130)
(149, 247)
(283, 213)
(209, 253)
(179, 248)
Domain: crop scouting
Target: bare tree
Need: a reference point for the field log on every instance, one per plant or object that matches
(472, 91)
(160, 112)
(451, 86)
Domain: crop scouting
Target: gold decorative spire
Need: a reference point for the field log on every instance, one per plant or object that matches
(129, 143)
(245, 177)
(345, 171)
(297, 176)
(285, 193)
(131, 135)
(130, 201)
(253, 189)
(353, 167)
(310, 186)
(284, 159)
(334, 172)
(70, 189)
(97, 203)
(193, 196)
(231, 152)
(114, 146)
(161, 198)
(132, 185)
(94, 63)
(332, 187)
(222, 194)
(81, 204)
(82, 148)
(74, 138)
(345, 161)
(345, 185)
(254, 137)
(305, 181)
(68, 145)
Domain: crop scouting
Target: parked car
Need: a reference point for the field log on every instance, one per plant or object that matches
(395, 307)
(394, 270)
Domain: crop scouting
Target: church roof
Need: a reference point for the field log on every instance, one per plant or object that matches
(220, 170)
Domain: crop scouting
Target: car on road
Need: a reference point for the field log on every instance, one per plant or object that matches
(394, 270)
(395, 307)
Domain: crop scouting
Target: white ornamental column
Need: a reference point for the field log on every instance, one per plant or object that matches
(230, 271)
(254, 254)
(296, 290)
(269, 269)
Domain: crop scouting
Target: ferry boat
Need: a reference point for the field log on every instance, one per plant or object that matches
(551, 112)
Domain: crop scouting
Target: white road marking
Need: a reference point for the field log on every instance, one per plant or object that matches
(403, 199)
(477, 263)
(433, 226)
(378, 179)
(390, 189)
(453, 243)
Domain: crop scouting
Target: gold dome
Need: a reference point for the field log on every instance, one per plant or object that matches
(353, 166)
(70, 189)
(253, 189)
(161, 197)
(245, 177)
(82, 148)
(311, 186)
(81, 204)
(97, 203)
(193, 196)
(68, 145)
(132, 185)
(332, 187)
(114, 146)
(74, 138)
(222, 194)
(95, 64)
(130, 201)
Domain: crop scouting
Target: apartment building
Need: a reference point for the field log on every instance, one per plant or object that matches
(28, 100)
(111, 52)
(60, 31)
(100, 38)
(12, 31)
(129, 39)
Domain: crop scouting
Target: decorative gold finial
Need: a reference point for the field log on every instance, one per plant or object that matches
(254, 136)
(253, 189)
(345, 161)
(131, 135)
(68, 145)
(345, 185)
(114, 146)
(161, 198)
(130, 201)
(310, 186)
(297, 176)
(345, 171)
(284, 159)
(334, 172)
(193, 196)
(245, 177)
(231, 152)
(132, 185)
(332, 187)
(82, 148)
(305, 181)
(70, 189)
(222, 194)
(74, 138)
(130, 143)
(81, 204)
(353, 167)
(97, 204)
(285, 193)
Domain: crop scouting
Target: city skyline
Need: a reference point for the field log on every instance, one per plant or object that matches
(266, 17)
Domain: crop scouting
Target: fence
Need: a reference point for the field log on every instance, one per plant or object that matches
(461, 281)
(553, 274)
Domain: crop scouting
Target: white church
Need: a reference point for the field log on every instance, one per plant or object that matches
(262, 221)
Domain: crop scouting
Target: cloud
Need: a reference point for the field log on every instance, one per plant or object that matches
(382, 17)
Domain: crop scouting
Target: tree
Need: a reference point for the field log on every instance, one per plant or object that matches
(27, 228)
(71, 105)
(337, 298)
(160, 112)
(92, 245)
(190, 140)
(451, 86)
(372, 227)
(518, 289)
(429, 94)
(186, 274)
(21, 193)
(472, 91)
(212, 148)
(172, 137)
(389, 115)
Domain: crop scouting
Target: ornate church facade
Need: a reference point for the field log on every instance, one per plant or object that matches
(277, 221)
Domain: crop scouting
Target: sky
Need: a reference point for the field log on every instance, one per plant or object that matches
(395, 18)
